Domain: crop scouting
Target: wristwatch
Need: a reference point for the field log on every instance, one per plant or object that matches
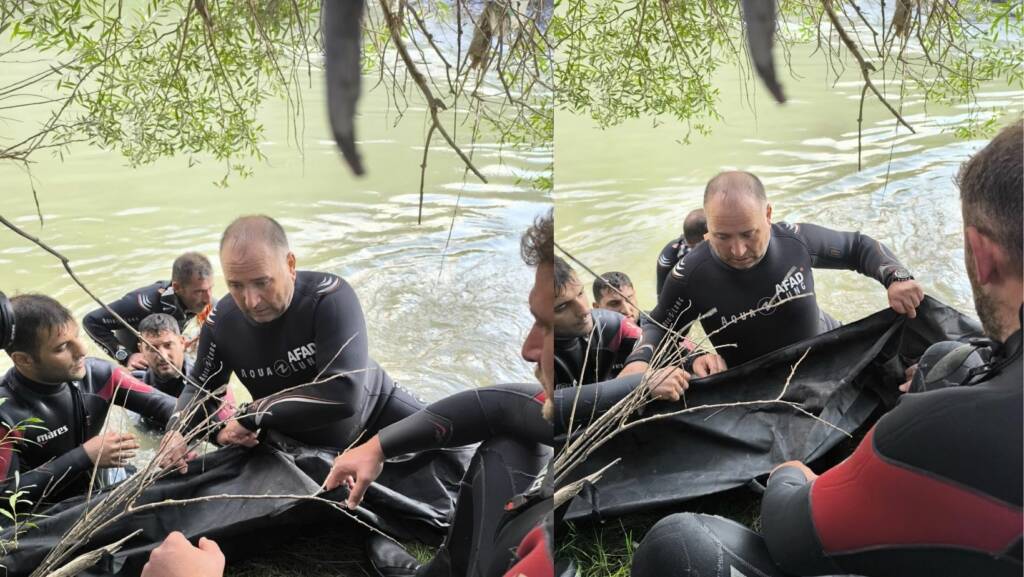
(121, 354)
(899, 275)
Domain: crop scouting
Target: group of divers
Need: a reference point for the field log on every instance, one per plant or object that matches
(297, 341)
(934, 488)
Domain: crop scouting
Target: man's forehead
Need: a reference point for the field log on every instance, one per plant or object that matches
(160, 336)
(56, 336)
(570, 289)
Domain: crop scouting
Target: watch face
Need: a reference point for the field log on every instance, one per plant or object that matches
(121, 355)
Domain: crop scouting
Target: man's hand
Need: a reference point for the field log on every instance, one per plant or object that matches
(176, 557)
(904, 296)
(235, 434)
(633, 368)
(357, 468)
(909, 375)
(137, 362)
(111, 449)
(668, 384)
(175, 452)
(709, 364)
(808, 473)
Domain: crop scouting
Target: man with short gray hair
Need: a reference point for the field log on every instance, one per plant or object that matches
(755, 275)
(187, 294)
(279, 328)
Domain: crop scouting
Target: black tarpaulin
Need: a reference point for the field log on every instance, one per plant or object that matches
(847, 374)
(411, 500)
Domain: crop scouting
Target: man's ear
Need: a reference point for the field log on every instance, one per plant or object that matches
(768, 212)
(291, 264)
(988, 257)
(22, 359)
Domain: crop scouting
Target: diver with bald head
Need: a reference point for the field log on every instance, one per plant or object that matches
(748, 266)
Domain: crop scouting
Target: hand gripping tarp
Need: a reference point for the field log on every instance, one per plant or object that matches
(847, 374)
(411, 500)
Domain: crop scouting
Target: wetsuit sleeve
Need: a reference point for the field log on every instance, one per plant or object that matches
(674, 310)
(788, 527)
(666, 260)
(121, 388)
(471, 416)
(100, 325)
(343, 365)
(849, 250)
(590, 401)
(44, 479)
(209, 373)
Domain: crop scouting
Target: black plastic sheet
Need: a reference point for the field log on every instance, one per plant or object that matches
(848, 373)
(411, 500)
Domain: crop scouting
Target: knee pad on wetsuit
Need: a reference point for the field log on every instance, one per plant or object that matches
(945, 364)
(689, 544)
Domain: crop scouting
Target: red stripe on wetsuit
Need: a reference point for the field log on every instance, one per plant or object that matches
(8, 439)
(122, 380)
(533, 557)
(868, 501)
(627, 330)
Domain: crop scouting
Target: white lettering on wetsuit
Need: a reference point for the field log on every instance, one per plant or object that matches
(298, 359)
(42, 439)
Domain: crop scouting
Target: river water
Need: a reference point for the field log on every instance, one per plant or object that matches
(622, 193)
(439, 319)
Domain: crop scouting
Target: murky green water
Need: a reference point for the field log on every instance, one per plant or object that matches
(622, 193)
(440, 320)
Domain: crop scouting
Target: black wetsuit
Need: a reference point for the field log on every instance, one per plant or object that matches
(501, 498)
(51, 459)
(320, 337)
(701, 283)
(172, 386)
(108, 333)
(613, 338)
(933, 490)
(673, 252)
(590, 401)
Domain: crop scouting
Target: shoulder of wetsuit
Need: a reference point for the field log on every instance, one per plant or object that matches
(317, 284)
(970, 435)
(223, 311)
(667, 256)
(697, 257)
(97, 373)
(607, 322)
(171, 304)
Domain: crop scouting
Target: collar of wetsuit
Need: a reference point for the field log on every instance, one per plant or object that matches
(6, 322)
(36, 386)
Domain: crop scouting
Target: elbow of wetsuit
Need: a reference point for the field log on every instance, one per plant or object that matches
(470, 417)
(788, 527)
(581, 404)
(643, 351)
(303, 408)
(100, 334)
(877, 261)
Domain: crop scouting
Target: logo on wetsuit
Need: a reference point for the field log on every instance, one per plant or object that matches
(298, 359)
(42, 439)
(792, 285)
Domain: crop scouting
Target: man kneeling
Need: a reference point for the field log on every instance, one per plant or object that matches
(52, 380)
